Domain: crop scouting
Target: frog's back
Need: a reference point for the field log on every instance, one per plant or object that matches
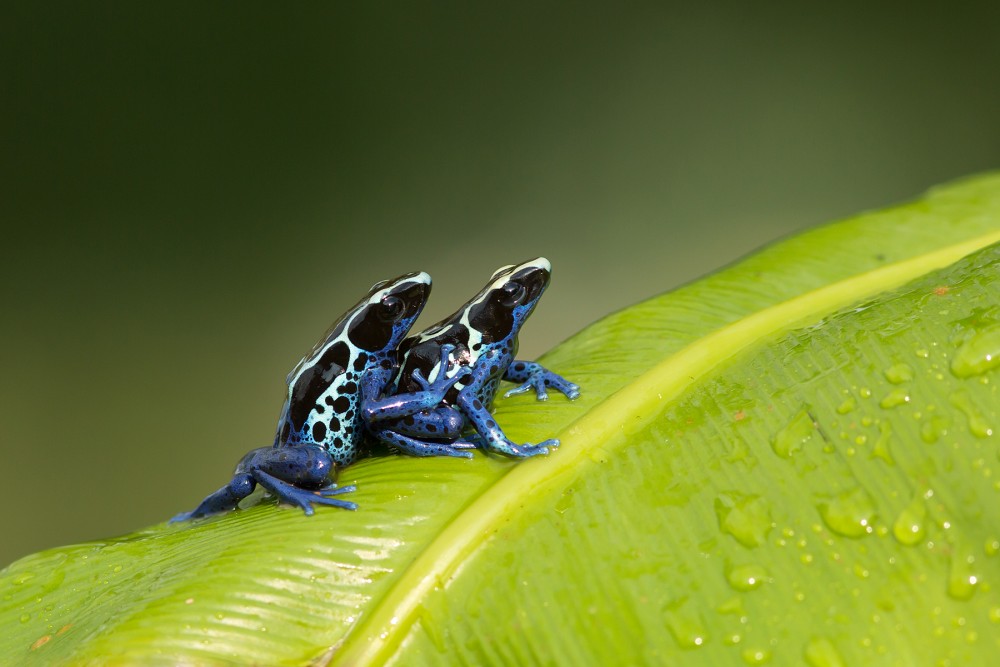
(324, 390)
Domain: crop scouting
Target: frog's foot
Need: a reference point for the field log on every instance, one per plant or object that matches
(415, 447)
(228, 497)
(534, 376)
(527, 450)
(442, 384)
(303, 498)
(489, 433)
(406, 405)
(334, 490)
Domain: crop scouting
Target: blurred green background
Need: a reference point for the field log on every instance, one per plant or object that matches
(191, 193)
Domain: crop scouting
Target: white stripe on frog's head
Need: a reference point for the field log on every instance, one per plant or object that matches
(409, 292)
(498, 280)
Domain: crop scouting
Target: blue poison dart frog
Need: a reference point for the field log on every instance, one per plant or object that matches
(482, 336)
(344, 376)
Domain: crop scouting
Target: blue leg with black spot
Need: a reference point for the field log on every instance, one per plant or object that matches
(492, 435)
(296, 475)
(442, 423)
(376, 409)
(535, 376)
(304, 498)
(415, 447)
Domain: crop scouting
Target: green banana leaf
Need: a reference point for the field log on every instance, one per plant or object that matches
(790, 461)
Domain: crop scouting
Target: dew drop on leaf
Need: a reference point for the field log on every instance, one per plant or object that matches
(978, 425)
(895, 398)
(746, 517)
(963, 577)
(910, 526)
(994, 615)
(746, 577)
(820, 652)
(796, 433)
(899, 373)
(687, 628)
(934, 429)
(755, 656)
(847, 406)
(991, 547)
(978, 354)
(881, 449)
(849, 513)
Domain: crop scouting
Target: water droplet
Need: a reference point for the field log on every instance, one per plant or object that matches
(881, 449)
(746, 577)
(909, 527)
(565, 501)
(922, 353)
(899, 373)
(991, 546)
(25, 618)
(746, 517)
(865, 392)
(978, 354)
(934, 429)
(687, 629)
(963, 576)
(733, 605)
(755, 656)
(978, 426)
(796, 433)
(896, 397)
(820, 652)
(849, 513)
(994, 614)
(848, 405)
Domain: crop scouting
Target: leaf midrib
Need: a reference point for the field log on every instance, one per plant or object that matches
(373, 639)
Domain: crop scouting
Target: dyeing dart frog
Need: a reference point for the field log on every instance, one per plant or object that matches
(483, 335)
(344, 376)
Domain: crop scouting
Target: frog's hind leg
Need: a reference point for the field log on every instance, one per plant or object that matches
(227, 498)
(415, 447)
(293, 495)
(443, 423)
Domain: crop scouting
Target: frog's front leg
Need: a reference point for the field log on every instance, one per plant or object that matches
(415, 422)
(535, 376)
(493, 438)
(376, 408)
(296, 475)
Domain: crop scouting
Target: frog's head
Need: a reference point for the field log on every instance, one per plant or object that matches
(380, 321)
(500, 309)
(363, 336)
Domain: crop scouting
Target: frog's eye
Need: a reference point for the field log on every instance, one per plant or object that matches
(390, 308)
(513, 294)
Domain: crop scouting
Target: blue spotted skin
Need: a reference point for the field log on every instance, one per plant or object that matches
(483, 335)
(344, 376)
